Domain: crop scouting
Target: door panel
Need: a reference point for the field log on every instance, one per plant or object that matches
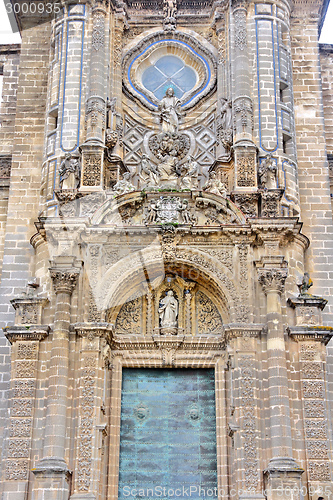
(168, 433)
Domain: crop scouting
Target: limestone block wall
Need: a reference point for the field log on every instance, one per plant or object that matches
(326, 63)
(27, 148)
(314, 187)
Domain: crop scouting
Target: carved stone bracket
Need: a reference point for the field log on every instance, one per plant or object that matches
(28, 310)
(248, 203)
(64, 273)
(91, 331)
(321, 334)
(307, 309)
(270, 202)
(33, 332)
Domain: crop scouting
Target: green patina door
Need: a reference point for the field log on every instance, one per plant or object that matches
(168, 434)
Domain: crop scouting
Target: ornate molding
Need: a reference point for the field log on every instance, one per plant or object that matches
(321, 334)
(94, 330)
(33, 332)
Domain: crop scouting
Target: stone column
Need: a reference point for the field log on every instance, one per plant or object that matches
(93, 148)
(282, 470)
(52, 473)
(25, 338)
(244, 147)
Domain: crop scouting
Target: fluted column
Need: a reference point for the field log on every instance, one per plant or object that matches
(64, 273)
(272, 274)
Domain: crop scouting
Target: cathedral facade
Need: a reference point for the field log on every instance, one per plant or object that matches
(166, 242)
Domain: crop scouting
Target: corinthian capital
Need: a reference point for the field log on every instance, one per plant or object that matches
(64, 273)
(272, 279)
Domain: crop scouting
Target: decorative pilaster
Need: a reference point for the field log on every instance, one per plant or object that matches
(312, 340)
(92, 428)
(282, 469)
(52, 471)
(243, 409)
(25, 338)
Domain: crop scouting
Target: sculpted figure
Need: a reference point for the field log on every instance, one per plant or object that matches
(170, 8)
(185, 213)
(152, 213)
(213, 185)
(305, 285)
(190, 179)
(69, 172)
(267, 172)
(149, 176)
(169, 109)
(168, 311)
(226, 114)
(124, 186)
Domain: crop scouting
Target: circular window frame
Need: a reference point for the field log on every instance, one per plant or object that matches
(188, 49)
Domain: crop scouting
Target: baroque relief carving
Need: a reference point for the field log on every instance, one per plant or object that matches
(19, 448)
(86, 422)
(314, 409)
(319, 471)
(240, 29)
(308, 352)
(20, 427)
(316, 429)
(208, 318)
(27, 350)
(247, 372)
(311, 370)
(91, 170)
(22, 408)
(128, 319)
(17, 470)
(98, 35)
(313, 389)
(318, 450)
(25, 369)
(64, 281)
(23, 388)
(246, 171)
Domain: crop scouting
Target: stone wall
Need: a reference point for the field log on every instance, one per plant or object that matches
(26, 147)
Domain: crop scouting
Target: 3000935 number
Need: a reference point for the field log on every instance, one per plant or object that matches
(32, 8)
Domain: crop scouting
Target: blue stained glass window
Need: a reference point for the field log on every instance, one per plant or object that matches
(169, 71)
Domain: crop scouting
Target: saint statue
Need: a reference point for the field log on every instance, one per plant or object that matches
(267, 172)
(190, 172)
(149, 176)
(170, 8)
(215, 186)
(168, 311)
(69, 172)
(169, 109)
(226, 114)
(124, 186)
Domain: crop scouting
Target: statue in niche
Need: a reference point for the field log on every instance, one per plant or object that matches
(69, 172)
(151, 212)
(149, 175)
(215, 186)
(268, 172)
(168, 311)
(124, 185)
(169, 109)
(190, 172)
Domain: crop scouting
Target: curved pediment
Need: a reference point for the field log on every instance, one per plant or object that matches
(174, 208)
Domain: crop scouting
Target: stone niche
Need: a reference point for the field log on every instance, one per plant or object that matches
(177, 307)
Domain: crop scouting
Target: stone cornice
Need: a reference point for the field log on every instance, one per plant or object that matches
(234, 331)
(321, 334)
(307, 301)
(94, 330)
(167, 342)
(33, 332)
